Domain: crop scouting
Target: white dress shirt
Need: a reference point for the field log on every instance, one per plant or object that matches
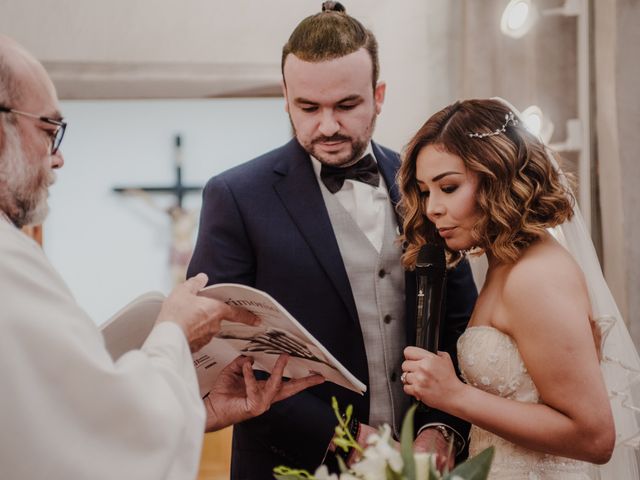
(365, 203)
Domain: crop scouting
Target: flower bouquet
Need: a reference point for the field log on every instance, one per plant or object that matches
(380, 460)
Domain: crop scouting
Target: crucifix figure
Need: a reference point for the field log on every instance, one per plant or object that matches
(183, 222)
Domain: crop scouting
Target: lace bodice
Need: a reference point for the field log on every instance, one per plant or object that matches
(490, 361)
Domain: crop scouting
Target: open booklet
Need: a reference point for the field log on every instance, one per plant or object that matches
(278, 333)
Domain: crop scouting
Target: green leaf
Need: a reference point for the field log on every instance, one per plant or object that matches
(476, 468)
(406, 444)
(342, 443)
(347, 415)
(286, 473)
(290, 477)
(341, 465)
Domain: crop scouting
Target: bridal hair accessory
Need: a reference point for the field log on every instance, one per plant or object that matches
(509, 118)
(620, 363)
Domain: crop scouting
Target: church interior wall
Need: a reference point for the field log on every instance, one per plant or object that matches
(109, 247)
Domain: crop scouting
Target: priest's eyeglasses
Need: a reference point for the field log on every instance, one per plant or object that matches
(56, 136)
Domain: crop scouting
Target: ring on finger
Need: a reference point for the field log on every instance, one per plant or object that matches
(403, 377)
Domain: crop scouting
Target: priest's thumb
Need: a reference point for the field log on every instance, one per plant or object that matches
(196, 283)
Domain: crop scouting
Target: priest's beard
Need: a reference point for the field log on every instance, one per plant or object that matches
(23, 188)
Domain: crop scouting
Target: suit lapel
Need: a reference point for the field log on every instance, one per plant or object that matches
(299, 192)
(388, 165)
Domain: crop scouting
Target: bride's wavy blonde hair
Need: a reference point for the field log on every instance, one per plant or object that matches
(519, 193)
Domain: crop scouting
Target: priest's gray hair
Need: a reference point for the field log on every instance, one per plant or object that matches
(9, 85)
(9, 93)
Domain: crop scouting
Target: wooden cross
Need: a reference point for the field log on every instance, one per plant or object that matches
(178, 189)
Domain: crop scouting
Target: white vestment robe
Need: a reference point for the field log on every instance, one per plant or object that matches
(67, 410)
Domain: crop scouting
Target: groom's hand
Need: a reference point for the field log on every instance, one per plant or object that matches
(431, 440)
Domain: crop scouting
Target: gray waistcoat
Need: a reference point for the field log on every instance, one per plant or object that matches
(377, 283)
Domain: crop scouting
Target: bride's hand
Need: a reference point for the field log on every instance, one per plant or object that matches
(430, 378)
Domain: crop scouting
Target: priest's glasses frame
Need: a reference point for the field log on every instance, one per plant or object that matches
(56, 136)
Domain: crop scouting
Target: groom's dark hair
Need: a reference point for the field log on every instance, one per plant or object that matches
(331, 34)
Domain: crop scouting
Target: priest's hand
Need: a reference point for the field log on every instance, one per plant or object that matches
(237, 395)
(200, 317)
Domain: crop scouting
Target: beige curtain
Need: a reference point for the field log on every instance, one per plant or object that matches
(617, 100)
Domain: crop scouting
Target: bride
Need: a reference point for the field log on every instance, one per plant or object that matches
(538, 341)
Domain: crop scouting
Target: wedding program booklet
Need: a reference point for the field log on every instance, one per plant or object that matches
(278, 333)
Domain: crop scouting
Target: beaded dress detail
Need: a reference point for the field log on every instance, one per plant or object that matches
(490, 360)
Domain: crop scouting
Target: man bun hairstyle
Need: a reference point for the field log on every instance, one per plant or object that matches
(331, 34)
(333, 7)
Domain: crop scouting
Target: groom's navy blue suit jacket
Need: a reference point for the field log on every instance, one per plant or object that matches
(265, 224)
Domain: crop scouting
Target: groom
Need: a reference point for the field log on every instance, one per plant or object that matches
(313, 224)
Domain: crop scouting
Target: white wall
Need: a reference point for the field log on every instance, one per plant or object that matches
(110, 248)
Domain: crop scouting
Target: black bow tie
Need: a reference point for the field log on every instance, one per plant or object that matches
(365, 170)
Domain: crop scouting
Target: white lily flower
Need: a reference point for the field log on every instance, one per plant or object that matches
(378, 455)
(381, 460)
(322, 473)
(348, 476)
(423, 460)
(371, 468)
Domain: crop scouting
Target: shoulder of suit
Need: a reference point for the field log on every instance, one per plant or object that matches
(260, 166)
(388, 154)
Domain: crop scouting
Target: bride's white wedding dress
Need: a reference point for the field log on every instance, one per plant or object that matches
(490, 361)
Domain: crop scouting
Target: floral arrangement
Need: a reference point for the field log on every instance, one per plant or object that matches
(380, 460)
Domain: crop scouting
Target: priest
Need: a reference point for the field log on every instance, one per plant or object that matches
(67, 410)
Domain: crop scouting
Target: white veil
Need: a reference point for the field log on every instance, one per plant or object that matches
(620, 362)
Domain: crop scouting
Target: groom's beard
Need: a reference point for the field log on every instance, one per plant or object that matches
(358, 145)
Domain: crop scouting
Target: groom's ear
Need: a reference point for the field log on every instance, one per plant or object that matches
(378, 95)
(283, 85)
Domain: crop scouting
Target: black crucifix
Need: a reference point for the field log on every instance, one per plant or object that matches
(183, 222)
(178, 189)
